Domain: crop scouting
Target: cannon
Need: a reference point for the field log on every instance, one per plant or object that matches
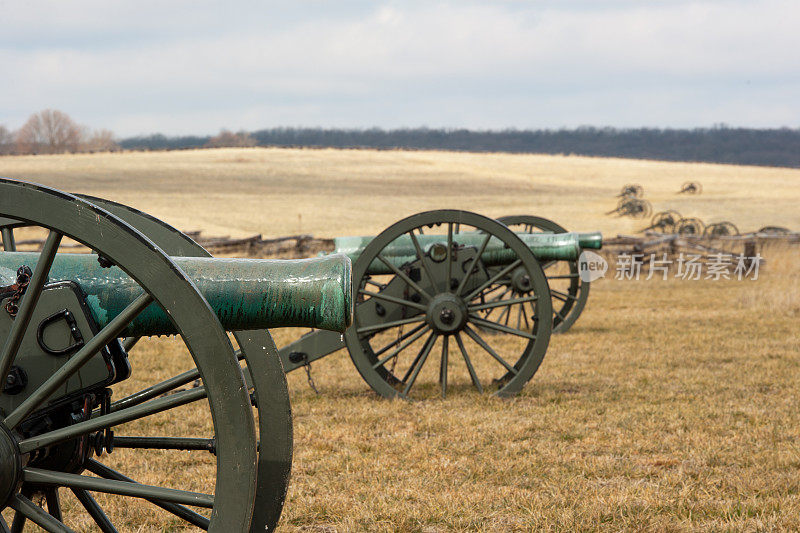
(690, 226)
(721, 229)
(452, 280)
(632, 207)
(557, 254)
(631, 190)
(63, 357)
(691, 187)
(664, 222)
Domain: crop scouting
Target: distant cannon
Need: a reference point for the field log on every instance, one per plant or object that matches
(632, 207)
(720, 229)
(691, 187)
(631, 190)
(690, 226)
(664, 222)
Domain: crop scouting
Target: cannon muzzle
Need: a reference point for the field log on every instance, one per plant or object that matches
(545, 247)
(245, 294)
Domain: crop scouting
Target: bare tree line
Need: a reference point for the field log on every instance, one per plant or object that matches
(54, 132)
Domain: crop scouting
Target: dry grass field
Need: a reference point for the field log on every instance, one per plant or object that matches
(670, 405)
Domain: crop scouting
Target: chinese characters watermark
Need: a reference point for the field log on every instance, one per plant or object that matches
(688, 266)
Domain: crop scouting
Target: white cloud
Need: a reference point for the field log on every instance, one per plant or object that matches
(173, 67)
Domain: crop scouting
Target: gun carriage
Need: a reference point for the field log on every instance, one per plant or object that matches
(62, 321)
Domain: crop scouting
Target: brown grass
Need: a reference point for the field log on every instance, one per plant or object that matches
(670, 406)
(343, 192)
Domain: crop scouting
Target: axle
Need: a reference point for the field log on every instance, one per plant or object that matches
(245, 294)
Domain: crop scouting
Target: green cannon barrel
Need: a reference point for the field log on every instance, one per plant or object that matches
(545, 246)
(244, 293)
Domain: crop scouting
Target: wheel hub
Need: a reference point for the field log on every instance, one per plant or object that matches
(10, 466)
(520, 280)
(447, 314)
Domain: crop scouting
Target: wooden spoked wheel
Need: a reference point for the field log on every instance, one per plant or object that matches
(55, 436)
(437, 303)
(569, 294)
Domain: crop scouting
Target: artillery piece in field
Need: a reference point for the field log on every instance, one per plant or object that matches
(691, 187)
(631, 190)
(72, 393)
(721, 229)
(664, 222)
(632, 207)
(459, 285)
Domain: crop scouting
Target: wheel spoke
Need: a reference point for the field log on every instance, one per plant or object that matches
(404, 277)
(483, 344)
(400, 339)
(37, 515)
(503, 314)
(449, 258)
(416, 359)
(9, 245)
(562, 296)
(421, 257)
(497, 298)
(109, 486)
(387, 325)
(443, 365)
(403, 346)
(500, 303)
(194, 518)
(53, 503)
(112, 419)
(470, 368)
(508, 315)
(564, 276)
(19, 521)
(166, 443)
(381, 286)
(472, 264)
(499, 327)
(419, 363)
(471, 296)
(394, 300)
(166, 386)
(95, 344)
(27, 304)
(95, 511)
(156, 390)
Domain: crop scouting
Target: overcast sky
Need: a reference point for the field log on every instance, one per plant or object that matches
(193, 67)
